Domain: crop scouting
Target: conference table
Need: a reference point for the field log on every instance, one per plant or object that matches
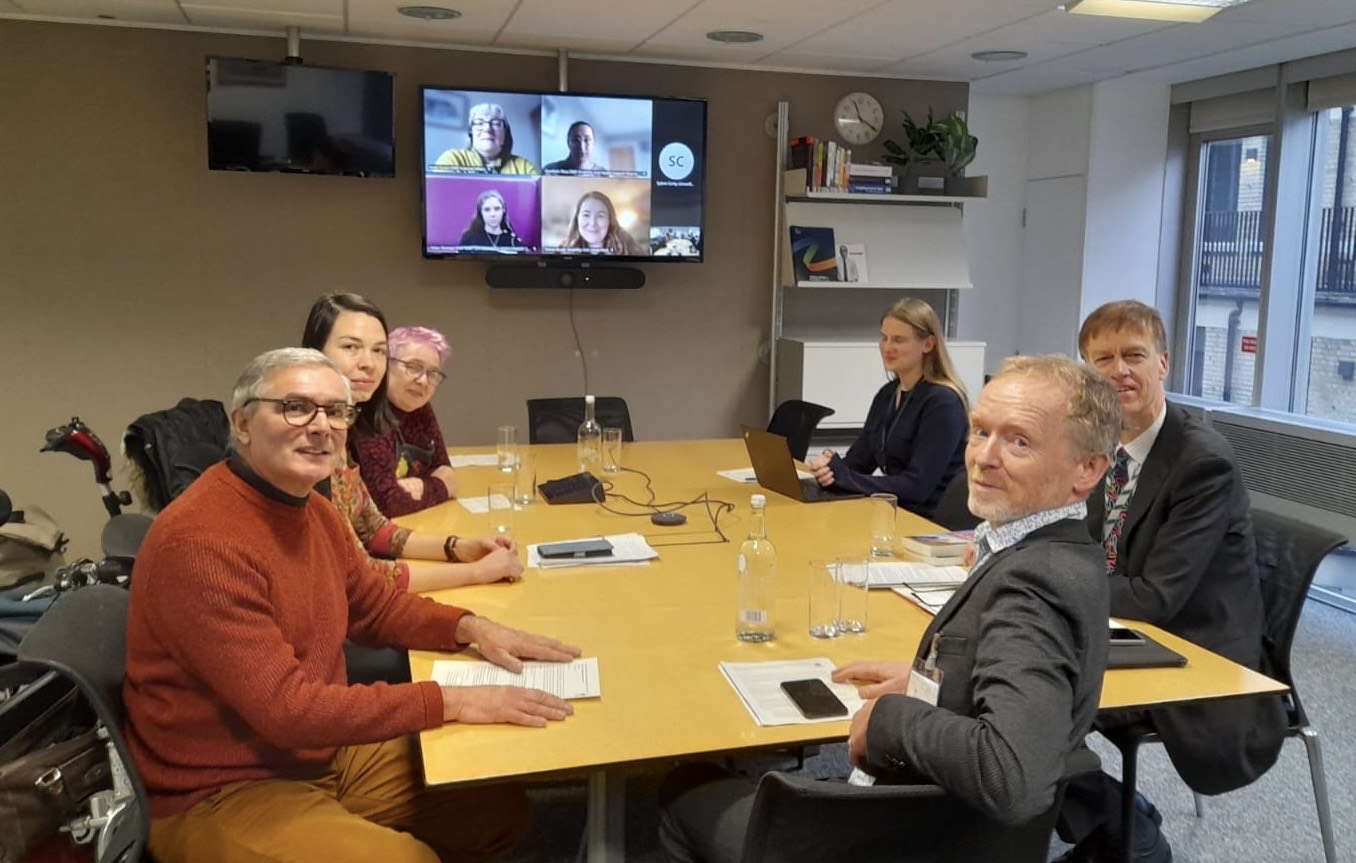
(661, 629)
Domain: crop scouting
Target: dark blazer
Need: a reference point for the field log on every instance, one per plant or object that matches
(918, 450)
(1022, 648)
(1187, 563)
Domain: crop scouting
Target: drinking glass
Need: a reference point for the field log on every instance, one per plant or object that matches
(525, 479)
(883, 512)
(506, 448)
(612, 450)
(855, 585)
(825, 589)
(499, 498)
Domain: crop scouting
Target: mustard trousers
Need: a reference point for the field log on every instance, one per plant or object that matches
(370, 806)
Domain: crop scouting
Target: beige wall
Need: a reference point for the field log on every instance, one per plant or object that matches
(130, 275)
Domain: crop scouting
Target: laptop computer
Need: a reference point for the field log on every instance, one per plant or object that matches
(776, 470)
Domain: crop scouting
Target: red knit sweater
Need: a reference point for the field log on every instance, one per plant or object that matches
(240, 603)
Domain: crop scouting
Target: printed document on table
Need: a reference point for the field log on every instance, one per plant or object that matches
(627, 549)
(930, 599)
(759, 686)
(575, 679)
(888, 573)
(486, 460)
(480, 503)
(746, 474)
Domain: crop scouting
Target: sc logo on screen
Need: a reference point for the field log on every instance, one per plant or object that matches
(676, 161)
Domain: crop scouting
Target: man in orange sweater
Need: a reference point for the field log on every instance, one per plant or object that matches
(250, 742)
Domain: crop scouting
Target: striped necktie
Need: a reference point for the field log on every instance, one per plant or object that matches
(1115, 507)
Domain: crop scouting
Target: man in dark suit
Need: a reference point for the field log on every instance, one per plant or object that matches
(1006, 681)
(1173, 518)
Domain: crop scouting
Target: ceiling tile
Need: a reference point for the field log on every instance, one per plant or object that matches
(793, 58)
(481, 16)
(632, 22)
(275, 7)
(401, 28)
(135, 11)
(254, 19)
(1311, 14)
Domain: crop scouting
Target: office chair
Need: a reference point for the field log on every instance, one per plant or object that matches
(796, 421)
(84, 637)
(1288, 555)
(557, 420)
(800, 820)
(171, 448)
(953, 509)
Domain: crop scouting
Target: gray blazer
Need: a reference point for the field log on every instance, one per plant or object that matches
(1022, 647)
(1188, 564)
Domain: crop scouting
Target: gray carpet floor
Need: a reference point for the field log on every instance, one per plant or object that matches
(1273, 820)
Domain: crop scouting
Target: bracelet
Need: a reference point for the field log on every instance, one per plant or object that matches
(450, 549)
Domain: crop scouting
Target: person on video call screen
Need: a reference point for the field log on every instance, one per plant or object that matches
(580, 138)
(595, 228)
(489, 145)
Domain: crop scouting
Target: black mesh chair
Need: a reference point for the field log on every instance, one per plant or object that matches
(557, 420)
(800, 820)
(1288, 555)
(83, 636)
(796, 421)
(953, 510)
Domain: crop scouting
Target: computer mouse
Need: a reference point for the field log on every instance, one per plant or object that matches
(668, 519)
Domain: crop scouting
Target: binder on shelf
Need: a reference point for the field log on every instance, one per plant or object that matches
(814, 256)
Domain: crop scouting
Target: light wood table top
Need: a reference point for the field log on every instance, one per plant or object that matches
(660, 630)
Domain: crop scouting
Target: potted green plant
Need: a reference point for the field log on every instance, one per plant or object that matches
(955, 148)
(918, 150)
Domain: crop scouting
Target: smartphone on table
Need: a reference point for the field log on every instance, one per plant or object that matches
(814, 699)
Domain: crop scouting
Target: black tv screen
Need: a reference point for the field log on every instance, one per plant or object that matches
(302, 119)
(562, 176)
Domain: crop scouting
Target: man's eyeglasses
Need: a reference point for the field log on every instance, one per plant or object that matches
(300, 412)
(417, 370)
(481, 122)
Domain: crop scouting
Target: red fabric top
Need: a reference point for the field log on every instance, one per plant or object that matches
(241, 599)
(412, 450)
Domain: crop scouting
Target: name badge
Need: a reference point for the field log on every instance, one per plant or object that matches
(925, 683)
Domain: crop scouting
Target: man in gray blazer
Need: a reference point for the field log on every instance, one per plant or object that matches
(1006, 680)
(1173, 518)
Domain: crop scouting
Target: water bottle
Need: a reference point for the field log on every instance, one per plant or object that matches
(756, 579)
(590, 450)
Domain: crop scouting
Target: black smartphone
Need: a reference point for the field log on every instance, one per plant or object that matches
(1121, 635)
(814, 699)
(577, 549)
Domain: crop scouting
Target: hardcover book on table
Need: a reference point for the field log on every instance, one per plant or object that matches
(813, 254)
(939, 547)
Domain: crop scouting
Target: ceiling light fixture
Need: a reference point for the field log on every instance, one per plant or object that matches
(998, 56)
(734, 37)
(429, 13)
(1181, 11)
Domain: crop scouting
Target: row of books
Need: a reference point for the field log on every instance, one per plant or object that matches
(829, 167)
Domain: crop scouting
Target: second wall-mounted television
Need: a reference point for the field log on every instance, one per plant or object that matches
(299, 119)
(562, 177)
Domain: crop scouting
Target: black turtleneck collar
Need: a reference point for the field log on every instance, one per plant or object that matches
(267, 489)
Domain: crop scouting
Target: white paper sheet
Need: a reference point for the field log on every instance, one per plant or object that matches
(759, 686)
(746, 474)
(930, 600)
(575, 679)
(480, 503)
(486, 460)
(628, 549)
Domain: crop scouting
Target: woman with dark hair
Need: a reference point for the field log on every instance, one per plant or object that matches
(594, 227)
(917, 426)
(352, 332)
(490, 227)
(489, 145)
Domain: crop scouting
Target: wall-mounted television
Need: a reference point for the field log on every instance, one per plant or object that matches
(265, 116)
(562, 177)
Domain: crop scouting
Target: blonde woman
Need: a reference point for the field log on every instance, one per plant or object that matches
(916, 429)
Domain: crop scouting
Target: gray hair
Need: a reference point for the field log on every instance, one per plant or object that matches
(1094, 409)
(262, 368)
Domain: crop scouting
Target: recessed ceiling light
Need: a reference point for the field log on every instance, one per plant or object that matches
(998, 56)
(734, 37)
(1189, 11)
(429, 13)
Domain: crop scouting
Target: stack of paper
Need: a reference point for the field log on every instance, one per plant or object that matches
(627, 548)
(930, 600)
(574, 679)
(887, 573)
(759, 686)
